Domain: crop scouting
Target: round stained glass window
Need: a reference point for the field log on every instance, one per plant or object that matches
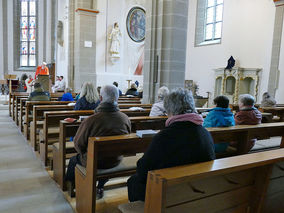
(136, 24)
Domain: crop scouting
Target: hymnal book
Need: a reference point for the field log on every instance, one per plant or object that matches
(146, 133)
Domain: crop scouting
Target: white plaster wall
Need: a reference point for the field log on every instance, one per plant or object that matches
(280, 91)
(62, 51)
(247, 35)
(1, 42)
(112, 11)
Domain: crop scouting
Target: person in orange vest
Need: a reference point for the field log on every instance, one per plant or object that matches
(42, 70)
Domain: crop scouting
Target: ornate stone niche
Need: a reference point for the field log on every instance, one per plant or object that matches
(237, 81)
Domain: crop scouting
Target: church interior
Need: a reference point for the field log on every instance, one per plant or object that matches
(131, 106)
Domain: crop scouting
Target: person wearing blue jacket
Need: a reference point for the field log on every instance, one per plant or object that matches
(220, 116)
(67, 96)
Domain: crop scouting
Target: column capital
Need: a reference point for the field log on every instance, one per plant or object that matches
(278, 3)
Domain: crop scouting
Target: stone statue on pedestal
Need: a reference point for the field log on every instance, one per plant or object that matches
(115, 41)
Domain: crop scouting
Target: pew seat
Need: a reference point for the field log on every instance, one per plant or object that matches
(246, 183)
(125, 168)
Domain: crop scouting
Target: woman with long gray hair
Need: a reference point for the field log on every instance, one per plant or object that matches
(183, 141)
(89, 98)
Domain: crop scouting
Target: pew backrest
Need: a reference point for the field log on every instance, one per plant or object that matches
(235, 184)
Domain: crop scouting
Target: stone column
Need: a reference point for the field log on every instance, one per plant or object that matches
(165, 46)
(84, 47)
(276, 45)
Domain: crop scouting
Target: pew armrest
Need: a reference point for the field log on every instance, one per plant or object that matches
(133, 207)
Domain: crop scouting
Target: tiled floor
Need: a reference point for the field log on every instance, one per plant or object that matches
(25, 186)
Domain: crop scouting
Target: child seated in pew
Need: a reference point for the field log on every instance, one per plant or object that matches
(247, 114)
(220, 116)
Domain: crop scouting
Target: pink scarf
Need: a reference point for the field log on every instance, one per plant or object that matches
(192, 117)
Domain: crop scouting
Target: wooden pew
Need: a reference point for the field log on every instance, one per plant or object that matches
(127, 106)
(28, 110)
(247, 183)
(12, 101)
(52, 119)
(276, 111)
(67, 130)
(128, 145)
(21, 103)
(129, 102)
(38, 115)
(39, 109)
(129, 99)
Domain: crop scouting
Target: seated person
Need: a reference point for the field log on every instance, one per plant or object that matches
(38, 94)
(158, 108)
(132, 90)
(106, 121)
(67, 96)
(183, 141)
(247, 114)
(29, 84)
(116, 84)
(56, 84)
(220, 116)
(89, 98)
(267, 100)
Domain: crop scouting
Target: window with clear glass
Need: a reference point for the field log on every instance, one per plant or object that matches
(28, 28)
(213, 20)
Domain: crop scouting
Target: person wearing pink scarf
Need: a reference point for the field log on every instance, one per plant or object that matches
(183, 141)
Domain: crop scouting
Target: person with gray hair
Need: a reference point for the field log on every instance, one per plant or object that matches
(267, 100)
(158, 108)
(109, 94)
(183, 141)
(106, 121)
(247, 115)
(89, 98)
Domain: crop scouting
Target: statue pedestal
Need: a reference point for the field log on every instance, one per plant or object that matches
(44, 81)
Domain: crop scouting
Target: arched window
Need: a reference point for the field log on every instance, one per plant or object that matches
(28, 33)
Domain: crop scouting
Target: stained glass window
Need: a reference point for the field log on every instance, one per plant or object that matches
(213, 20)
(28, 33)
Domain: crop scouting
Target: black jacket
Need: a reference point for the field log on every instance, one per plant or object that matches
(132, 91)
(179, 144)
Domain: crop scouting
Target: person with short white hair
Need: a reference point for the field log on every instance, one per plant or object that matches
(247, 115)
(106, 121)
(158, 108)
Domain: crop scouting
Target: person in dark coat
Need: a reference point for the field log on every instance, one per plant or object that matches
(89, 98)
(183, 141)
(106, 121)
(220, 116)
(132, 91)
(38, 94)
(116, 84)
